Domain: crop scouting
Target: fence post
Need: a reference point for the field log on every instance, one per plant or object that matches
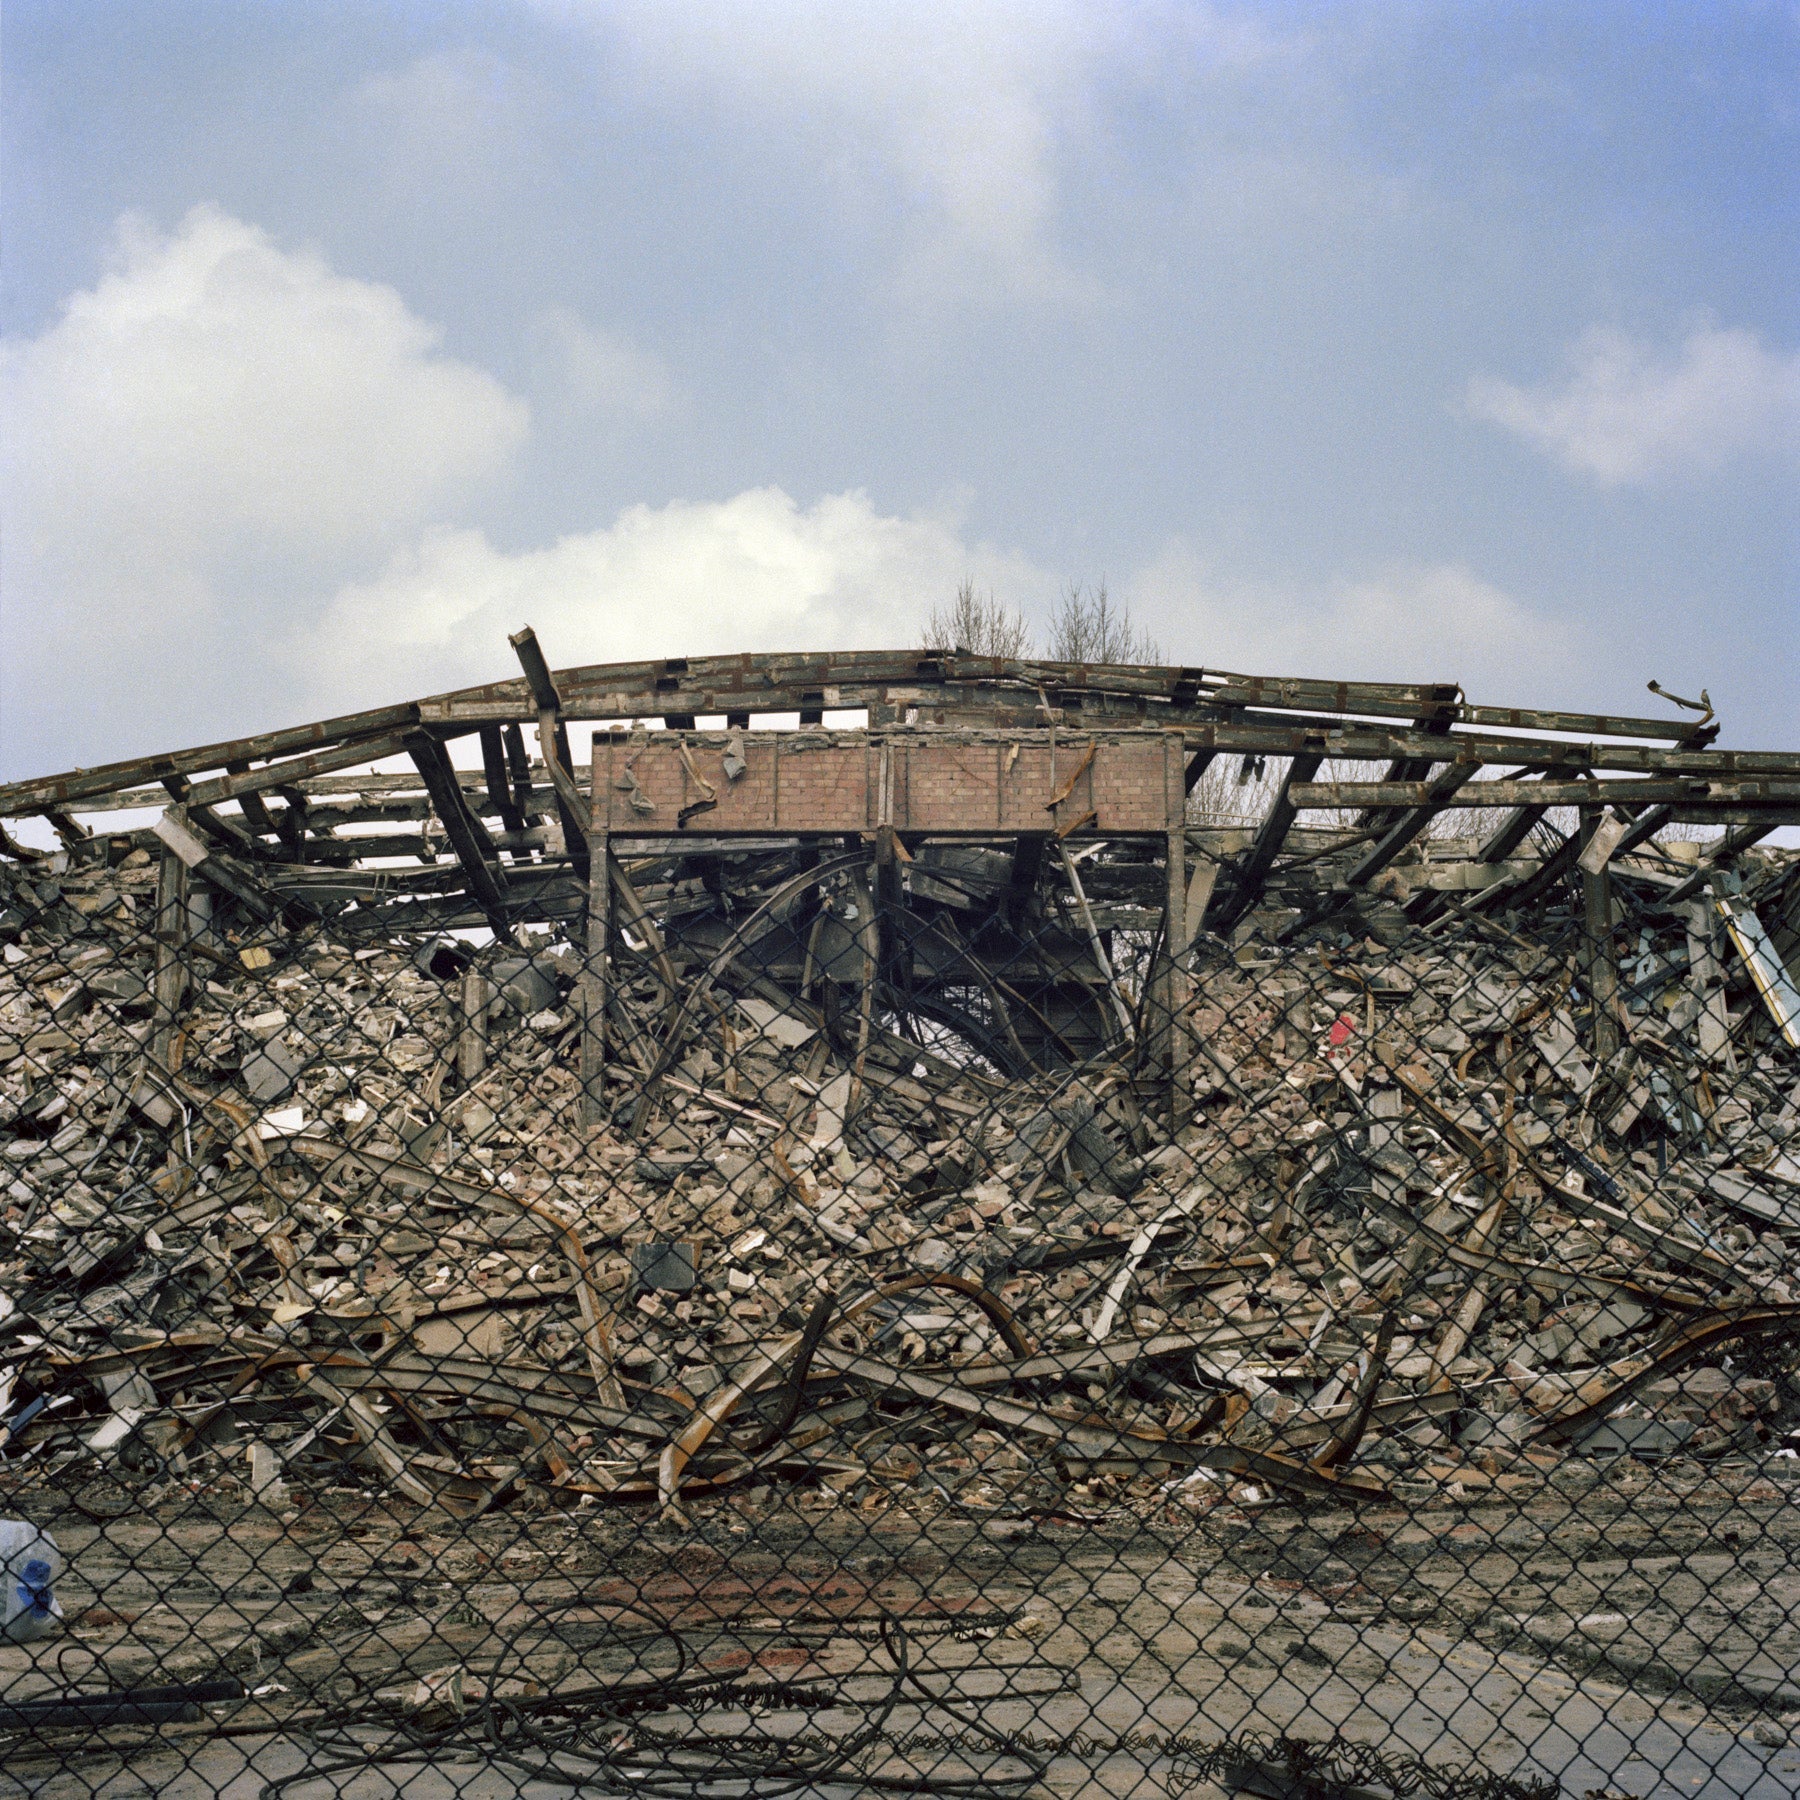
(471, 1046)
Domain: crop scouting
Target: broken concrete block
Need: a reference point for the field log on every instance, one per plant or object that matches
(269, 1070)
(1637, 1437)
(670, 1268)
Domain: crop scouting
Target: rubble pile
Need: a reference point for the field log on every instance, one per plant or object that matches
(870, 1175)
(830, 1222)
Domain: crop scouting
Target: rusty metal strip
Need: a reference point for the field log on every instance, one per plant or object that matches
(1681, 1347)
(1343, 1446)
(1099, 1442)
(1004, 1321)
(698, 991)
(713, 1412)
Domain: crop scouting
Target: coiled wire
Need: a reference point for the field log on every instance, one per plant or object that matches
(599, 1739)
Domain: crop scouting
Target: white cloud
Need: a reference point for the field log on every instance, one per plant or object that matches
(451, 129)
(212, 387)
(1625, 415)
(441, 99)
(755, 572)
(1437, 622)
(215, 425)
(967, 110)
(597, 370)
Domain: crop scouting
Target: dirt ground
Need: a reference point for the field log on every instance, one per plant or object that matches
(1626, 1630)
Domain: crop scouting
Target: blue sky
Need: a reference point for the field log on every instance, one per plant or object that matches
(1412, 340)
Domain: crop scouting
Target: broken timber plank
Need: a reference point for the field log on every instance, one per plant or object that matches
(1409, 824)
(1246, 883)
(1732, 845)
(594, 983)
(1651, 790)
(553, 745)
(80, 784)
(1597, 945)
(468, 836)
(1408, 768)
(500, 795)
(252, 781)
(169, 980)
(219, 870)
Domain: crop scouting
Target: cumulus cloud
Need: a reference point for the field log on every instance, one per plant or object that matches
(443, 99)
(967, 110)
(215, 427)
(596, 370)
(213, 386)
(218, 423)
(1623, 414)
(451, 128)
(1432, 622)
(755, 572)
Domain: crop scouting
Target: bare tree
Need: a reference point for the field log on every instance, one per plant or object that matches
(978, 624)
(1087, 627)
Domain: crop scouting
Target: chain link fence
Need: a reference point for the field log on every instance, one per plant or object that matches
(829, 1317)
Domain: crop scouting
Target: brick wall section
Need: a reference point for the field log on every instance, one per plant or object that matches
(795, 784)
(823, 790)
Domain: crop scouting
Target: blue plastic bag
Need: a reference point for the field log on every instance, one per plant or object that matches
(31, 1563)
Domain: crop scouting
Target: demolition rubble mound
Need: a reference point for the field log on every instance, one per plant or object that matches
(544, 1151)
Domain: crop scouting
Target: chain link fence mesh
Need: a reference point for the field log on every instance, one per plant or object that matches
(825, 1317)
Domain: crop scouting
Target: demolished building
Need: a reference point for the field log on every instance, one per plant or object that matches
(873, 1090)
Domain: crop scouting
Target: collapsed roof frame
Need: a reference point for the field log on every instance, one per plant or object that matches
(1432, 740)
(1218, 713)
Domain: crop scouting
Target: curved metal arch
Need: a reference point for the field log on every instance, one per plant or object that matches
(727, 953)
